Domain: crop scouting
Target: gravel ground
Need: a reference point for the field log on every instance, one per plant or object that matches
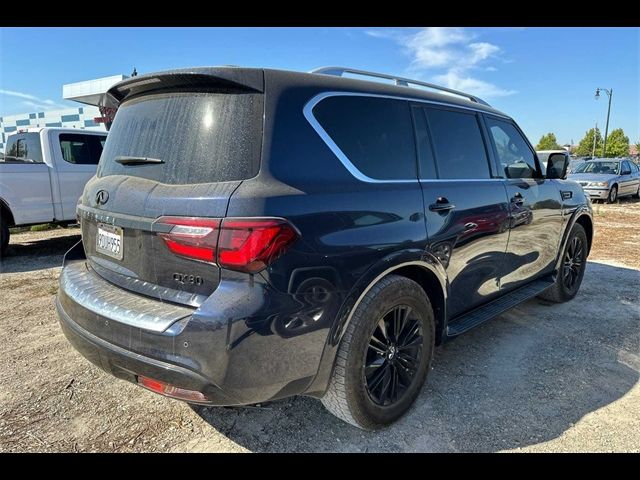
(539, 378)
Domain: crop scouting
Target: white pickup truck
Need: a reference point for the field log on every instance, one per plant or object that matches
(42, 175)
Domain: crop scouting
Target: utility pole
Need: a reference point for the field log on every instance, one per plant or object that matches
(606, 128)
(595, 132)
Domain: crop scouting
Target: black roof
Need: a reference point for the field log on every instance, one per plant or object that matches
(254, 79)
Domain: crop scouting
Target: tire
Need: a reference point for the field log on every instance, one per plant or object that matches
(563, 290)
(4, 236)
(354, 396)
(637, 195)
(613, 194)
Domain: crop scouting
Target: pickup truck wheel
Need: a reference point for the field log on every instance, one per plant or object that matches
(4, 236)
(384, 356)
(574, 262)
(613, 194)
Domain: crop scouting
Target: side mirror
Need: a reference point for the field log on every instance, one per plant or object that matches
(557, 165)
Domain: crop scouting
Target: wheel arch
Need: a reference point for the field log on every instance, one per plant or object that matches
(587, 224)
(583, 216)
(432, 287)
(420, 267)
(5, 210)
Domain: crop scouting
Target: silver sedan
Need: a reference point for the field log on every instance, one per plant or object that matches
(608, 178)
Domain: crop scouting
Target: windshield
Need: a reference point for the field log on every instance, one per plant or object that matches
(603, 168)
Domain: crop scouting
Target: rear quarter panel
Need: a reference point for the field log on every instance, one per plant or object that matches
(349, 229)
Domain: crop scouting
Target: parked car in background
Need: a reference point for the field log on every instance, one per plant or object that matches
(574, 163)
(253, 234)
(608, 178)
(42, 175)
(543, 156)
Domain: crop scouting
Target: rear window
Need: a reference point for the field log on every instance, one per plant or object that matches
(375, 134)
(81, 149)
(23, 148)
(200, 137)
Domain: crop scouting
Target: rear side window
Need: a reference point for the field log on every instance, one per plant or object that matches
(24, 148)
(81, 149)
(627, 166)
(515, 157)
(199, 137)
(374, 134)
(458, 144)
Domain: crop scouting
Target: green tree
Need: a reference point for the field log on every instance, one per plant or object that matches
(617, 144)
(585, 147)
(548, 142)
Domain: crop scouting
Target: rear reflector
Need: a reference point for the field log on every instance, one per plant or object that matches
(243, 244)
(171, 390)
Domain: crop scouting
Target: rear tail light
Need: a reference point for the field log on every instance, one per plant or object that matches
(171, 390)
(243, 244)
(192, 237)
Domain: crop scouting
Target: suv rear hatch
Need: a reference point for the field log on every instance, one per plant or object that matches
(180, 144)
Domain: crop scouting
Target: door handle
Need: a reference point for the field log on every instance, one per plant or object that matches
(441, 205)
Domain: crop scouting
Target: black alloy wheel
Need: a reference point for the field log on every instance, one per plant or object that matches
(573, 260)
(393, 355)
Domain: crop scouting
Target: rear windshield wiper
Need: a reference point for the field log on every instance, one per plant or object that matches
(126, 160)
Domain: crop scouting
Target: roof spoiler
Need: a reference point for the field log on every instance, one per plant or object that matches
(214, 78)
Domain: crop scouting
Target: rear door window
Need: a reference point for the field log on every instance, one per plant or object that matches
(200, 137)
(426, 160)
(459, 147)
(374, 134)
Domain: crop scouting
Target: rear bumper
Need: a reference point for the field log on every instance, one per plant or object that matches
(127, 365)
(247, 343)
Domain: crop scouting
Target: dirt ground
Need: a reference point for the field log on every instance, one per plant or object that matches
(541, 377)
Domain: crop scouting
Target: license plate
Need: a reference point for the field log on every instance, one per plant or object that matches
(109, 240)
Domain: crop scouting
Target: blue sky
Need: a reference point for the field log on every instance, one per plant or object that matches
(544, 77)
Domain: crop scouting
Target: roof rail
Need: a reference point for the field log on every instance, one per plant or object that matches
(401, 81)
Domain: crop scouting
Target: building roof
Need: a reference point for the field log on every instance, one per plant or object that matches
(90, 92)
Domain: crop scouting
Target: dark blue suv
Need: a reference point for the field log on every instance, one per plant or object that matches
(253, 234)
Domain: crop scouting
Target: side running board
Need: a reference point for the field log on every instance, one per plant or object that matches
(466, 322)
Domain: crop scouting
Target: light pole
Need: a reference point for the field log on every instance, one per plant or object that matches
(606, 128)
(593, 151)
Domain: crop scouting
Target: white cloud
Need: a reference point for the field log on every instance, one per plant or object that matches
(473, 86)
(435, 47)
(481, 51)
(13, 93)
(453, 52)
(32, 100)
